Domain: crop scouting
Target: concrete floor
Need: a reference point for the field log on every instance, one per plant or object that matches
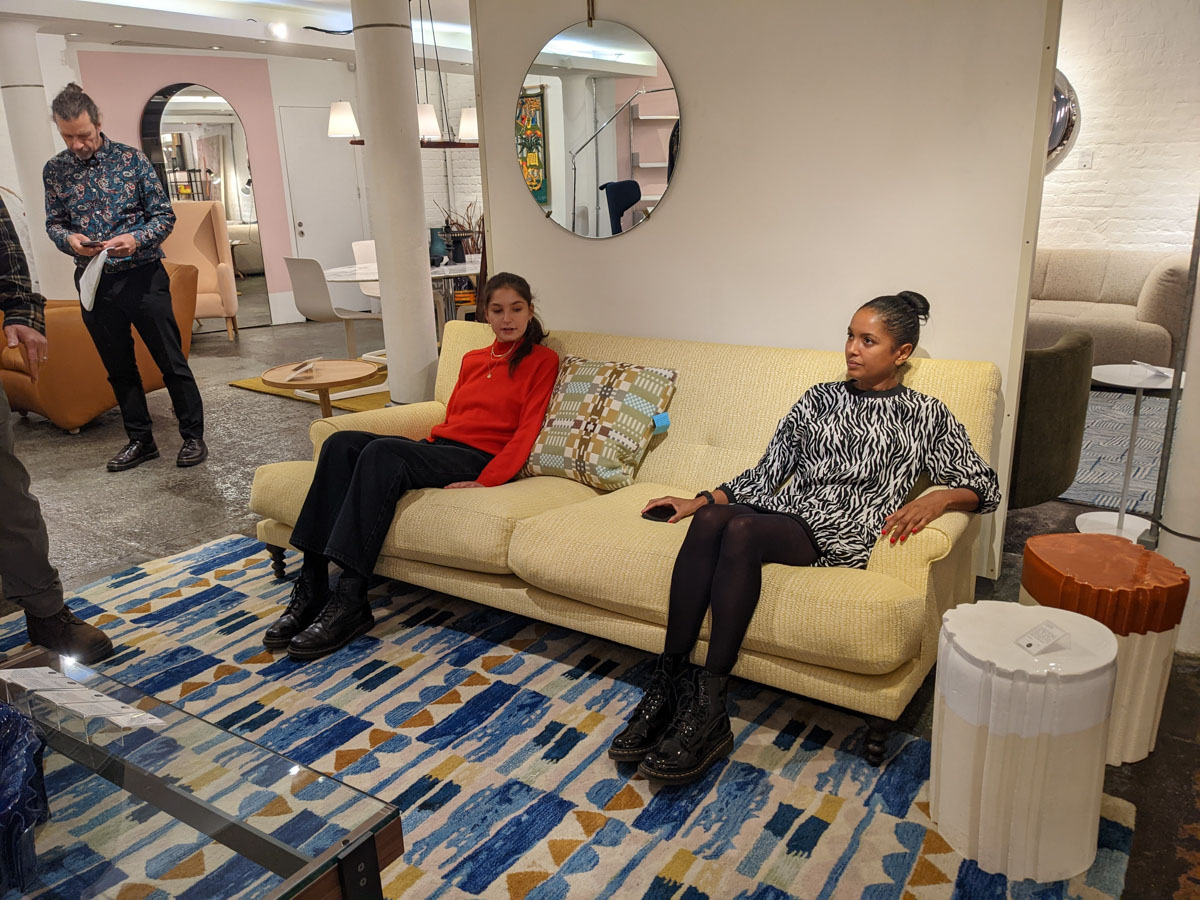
(100, 523)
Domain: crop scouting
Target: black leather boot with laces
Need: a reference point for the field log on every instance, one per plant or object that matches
(346, 616)
(653, 713)
(310, 593)
(698, 736)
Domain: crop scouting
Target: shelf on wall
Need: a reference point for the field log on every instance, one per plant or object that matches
(651, 165)
(635, 112)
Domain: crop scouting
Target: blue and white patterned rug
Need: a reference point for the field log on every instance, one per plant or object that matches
(1105, 443)
(489, 731)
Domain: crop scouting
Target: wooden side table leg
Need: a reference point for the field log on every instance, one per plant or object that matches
(326, 405)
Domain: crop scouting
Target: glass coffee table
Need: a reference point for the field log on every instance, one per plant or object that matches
(164, 805)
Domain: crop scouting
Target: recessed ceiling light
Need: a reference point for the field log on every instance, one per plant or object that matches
(118, 26)
(262, 42)
(72, 34)
(278, 30)
(214, 47)
(329, 59)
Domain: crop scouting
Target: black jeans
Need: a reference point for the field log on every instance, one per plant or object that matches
(719, 567)
(360, 477)
(141, 297)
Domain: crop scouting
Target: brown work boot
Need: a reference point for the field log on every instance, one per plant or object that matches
(66, 633)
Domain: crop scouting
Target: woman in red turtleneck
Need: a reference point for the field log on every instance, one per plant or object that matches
(492, 420)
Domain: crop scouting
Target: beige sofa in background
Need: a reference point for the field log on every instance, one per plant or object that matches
(561, 552)
(1131, 302)
(247, 255)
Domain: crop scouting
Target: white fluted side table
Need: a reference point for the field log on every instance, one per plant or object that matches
(1020, 727)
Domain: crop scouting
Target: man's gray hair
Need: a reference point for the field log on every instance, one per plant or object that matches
(72, 102)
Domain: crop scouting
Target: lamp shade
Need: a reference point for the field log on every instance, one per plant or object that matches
(341, 120)
(427, 123)
(468, 125)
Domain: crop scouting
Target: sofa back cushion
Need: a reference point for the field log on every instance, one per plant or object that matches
(1093, 276)
(728, 398)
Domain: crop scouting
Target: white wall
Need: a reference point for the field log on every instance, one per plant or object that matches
(57, 71)
(867, 147)
(1135, 68)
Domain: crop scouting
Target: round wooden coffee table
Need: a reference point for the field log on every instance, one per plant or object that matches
(324, 375)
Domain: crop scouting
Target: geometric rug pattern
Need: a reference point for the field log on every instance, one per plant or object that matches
(489, 730)
(1105, 444)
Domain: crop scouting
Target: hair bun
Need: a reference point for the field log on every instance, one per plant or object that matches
(917, 303)
(73, 88)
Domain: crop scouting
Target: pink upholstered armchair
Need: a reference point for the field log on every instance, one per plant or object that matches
(200, 239)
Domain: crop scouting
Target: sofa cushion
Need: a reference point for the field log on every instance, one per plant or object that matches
(466, 528)
(599, 421)
(1119, 337)
(471, 528)
(603, 553)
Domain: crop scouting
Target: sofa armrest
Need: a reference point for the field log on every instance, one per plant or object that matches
(227, 288)
(1163, 299)
(413, 420)
(910, 561)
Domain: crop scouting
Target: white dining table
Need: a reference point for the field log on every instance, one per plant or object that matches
(445, 274)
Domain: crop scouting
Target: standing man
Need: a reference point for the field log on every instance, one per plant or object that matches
(29, 579)
(101, 195)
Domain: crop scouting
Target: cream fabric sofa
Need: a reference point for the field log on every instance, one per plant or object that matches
(561, 552)
(1131, 302)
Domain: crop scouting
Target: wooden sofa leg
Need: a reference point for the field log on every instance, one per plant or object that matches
(878, 732)
(277, 562)
(231, 326)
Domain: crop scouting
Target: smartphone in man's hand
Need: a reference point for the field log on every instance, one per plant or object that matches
(91, 244)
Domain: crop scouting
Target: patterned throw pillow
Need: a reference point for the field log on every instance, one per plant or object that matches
(599, 421)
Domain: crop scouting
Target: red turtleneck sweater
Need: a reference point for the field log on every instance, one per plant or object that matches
(501, 415)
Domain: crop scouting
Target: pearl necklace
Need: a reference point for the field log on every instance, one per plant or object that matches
(498, 357)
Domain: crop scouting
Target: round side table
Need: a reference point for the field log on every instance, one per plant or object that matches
(324, 375)
(1140, 378)
(1020, 725)
(1140, 596)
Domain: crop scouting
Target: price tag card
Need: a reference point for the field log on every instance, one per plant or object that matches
(1043, 637)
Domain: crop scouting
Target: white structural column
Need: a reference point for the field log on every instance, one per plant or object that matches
(1181, 505)
(27, 114)
(387, 117)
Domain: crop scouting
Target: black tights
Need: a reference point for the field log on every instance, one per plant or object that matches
(720, 566)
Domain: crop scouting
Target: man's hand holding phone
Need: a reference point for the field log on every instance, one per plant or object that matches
(82, 245)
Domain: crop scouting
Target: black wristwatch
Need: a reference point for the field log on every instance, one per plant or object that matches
(706, 495)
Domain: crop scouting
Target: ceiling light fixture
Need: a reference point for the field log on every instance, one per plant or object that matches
(427, 121)
(214, 47)
(117, 26)
(72, 34)
(261, 41)
(278, 30)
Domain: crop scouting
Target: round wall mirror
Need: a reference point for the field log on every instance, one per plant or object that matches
(1064, 121)
(597, 129)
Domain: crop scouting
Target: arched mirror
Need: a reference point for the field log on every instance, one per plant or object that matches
(597, 129)
(196, 142)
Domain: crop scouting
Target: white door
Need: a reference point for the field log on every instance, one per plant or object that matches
(322, 179)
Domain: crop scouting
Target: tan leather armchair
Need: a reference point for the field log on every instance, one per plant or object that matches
(200, 239)
(72, 386)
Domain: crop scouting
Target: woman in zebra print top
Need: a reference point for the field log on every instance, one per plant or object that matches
(833, 478)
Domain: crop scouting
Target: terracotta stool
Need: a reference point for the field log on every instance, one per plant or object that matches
(1020, 726)
(1135, 592)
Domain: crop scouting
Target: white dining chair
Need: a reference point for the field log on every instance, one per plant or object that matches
(311, 293)
(364, 253)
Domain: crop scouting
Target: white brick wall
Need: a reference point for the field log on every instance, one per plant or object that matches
(463, 164)
(1135, 68)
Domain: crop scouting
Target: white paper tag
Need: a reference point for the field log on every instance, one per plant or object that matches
(1042, 637)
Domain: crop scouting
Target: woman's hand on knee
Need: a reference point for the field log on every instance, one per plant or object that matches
(464, 484)
(683, 507)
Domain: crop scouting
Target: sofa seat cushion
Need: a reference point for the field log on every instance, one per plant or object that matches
(470, 528)
(467, 529)
(1118, 334)
(603, 553)
(1083, 309)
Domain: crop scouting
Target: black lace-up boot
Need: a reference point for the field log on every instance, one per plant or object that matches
(346, 616)
(653, 714)
(310, 593)
(65, 633)
(698, 736)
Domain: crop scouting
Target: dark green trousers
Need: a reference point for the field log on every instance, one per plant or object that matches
(27, 577)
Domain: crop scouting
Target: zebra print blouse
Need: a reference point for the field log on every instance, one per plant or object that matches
(844, 459)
